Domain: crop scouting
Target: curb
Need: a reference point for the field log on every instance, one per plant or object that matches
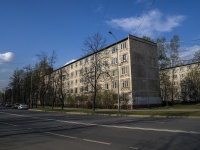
(119, 115)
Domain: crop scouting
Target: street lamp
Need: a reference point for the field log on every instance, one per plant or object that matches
(117, 72)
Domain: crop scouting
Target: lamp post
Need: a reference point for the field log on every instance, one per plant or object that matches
(117, 72)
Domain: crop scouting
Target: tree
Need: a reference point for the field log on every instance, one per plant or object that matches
(163, 59)
(165, 86)
(43, 68)
(192, 85)
(98, 67)
(16, 84)
(197, 55)
(60, 86)
(173, 50)
(148, 38)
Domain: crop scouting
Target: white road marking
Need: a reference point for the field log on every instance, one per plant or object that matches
(14, 114)
(131, 128)
(111, 126)
(8, 124)
(133, 148)
(152, 129)
(71, 137)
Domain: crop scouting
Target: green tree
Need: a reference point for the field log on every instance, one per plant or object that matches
(192, 85)
(163, 59)
(173, 50)
(165, 86)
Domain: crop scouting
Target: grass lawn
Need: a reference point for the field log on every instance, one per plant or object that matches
(176, 110)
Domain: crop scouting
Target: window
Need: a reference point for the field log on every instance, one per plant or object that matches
(182, 75)
(189, 67)
(105, 63)
(76, 73)
(106, 86)
(71, 82)
(81, 80)
(124, 57)
(124, 70)
(81, 71)
(114, 60)
(175, 76)
(91, 69)
(81, 89)
(114, 85)
(92, 58)
(72, 66)
(125, 83)
(181, 68)
(86, 88)
(76, 81)
(114, 49)
(106, 52)
(71, 90)
(86, 69)
(125, 97)
(114, 72)
(72, 74)
(123, 45)
(81, 62)
(76, 90)
(86, 60)
(76, 65)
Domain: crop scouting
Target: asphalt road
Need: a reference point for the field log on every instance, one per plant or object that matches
(31, 130)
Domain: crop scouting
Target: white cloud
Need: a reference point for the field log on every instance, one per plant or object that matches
(187, 53)
(70, 61)
(6, 57)
(5, 70)
(154, 23)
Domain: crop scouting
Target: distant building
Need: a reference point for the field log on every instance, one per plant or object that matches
(138, 71)
(176, 75)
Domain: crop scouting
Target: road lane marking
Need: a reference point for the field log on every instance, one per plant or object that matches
(8, 124)
(151, 129)
(133, 148)
(131, 128)
(14, 114)
(112, 126)
(71, 137)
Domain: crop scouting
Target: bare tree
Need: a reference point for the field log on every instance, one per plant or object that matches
(197, 55)
(96, 65)
(44, 69)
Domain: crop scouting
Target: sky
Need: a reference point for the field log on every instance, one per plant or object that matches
(28, 27)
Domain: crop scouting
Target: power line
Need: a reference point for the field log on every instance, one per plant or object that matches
(103, 15)
(180, 41)
(144, 17)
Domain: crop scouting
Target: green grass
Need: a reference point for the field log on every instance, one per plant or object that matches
(177, 110)
(182, 107)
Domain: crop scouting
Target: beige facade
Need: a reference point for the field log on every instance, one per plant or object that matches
(138, 71)
(176, 75)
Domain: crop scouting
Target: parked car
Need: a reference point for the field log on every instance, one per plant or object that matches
(23, 106)
(16, 106)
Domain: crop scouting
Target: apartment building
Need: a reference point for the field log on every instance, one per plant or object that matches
(176, 75)
(136, 61)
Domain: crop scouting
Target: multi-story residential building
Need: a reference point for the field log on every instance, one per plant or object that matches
(136, 61)
(172, 79)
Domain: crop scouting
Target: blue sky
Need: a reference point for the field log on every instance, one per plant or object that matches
(30, 26)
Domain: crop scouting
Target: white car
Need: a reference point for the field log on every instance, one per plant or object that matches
(23, 106)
